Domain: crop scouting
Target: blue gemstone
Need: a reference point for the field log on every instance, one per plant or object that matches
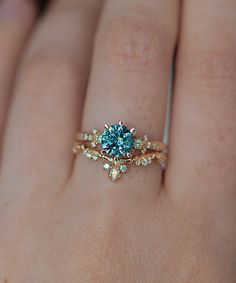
(117, 140)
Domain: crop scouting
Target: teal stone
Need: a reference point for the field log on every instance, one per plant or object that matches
(117, 140)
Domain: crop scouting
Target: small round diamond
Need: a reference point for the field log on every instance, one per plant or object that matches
(117, 140)
(145, 162)
(123, 168)
(106, 166)
(138, 143)
(94, 157)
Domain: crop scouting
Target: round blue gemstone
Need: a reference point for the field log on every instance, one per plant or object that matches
(117, 140)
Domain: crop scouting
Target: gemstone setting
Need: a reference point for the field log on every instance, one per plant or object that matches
(118, 147)
(117, 140)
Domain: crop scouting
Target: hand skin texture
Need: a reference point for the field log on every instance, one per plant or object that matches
(85, 63)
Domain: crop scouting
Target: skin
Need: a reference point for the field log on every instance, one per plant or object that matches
(86, 63)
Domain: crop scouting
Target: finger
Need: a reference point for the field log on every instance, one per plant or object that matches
(129, 82)
(48, 98)
(203, 153)
(16, 18)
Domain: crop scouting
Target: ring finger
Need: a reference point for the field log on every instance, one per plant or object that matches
(129, 81)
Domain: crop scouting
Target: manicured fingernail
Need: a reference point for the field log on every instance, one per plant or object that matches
(12, 8)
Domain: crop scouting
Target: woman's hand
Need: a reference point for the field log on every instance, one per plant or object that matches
(62, 219)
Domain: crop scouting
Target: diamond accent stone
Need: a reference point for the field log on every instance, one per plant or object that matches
(145, 162)
(91, 154)
(95, 157)
(123, 168)
(138, 144)
(114, 174)
(90, 137)
(106, 166)
(93, 144)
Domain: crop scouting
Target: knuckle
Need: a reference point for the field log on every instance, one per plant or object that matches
(41, 71)
(133, 43)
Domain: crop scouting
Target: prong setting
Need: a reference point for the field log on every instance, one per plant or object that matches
(129, 155)
(133, 131)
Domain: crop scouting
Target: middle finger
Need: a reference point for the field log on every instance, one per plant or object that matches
(48, 96)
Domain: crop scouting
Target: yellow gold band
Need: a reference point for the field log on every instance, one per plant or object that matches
(122, 148)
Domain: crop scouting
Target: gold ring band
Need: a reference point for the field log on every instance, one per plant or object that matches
(117, 146)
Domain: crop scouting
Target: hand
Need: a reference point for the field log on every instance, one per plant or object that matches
(61, 218)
